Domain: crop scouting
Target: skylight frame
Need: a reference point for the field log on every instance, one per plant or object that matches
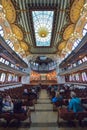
(36, 36)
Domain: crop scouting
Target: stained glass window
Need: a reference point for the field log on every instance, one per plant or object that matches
(10, 44)
(43, 21)
(1, 31)
(2, 78)
(85, 30)
(76, 44)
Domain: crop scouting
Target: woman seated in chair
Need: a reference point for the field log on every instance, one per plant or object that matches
(18, 108)
(58, 97)
(75, 103)
(7, 104)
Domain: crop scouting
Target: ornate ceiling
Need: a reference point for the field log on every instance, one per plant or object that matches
(23, 20)
(65, 28)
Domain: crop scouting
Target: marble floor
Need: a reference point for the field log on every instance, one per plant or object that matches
(43, 118)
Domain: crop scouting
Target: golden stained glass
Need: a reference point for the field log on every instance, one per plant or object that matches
(24, 46)
(75, 10)
(17, 31)
(9, 10)
(68, 31)
(62, 45)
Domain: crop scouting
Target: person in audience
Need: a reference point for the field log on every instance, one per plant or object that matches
(7, 104)
(18, 108)
(52, 93)
(39, 86)
(58, 97)
(55, 88)
(49, 89)
(33, 90)
(75, 103)
(62, 90)
(33, 94)
(25, 92)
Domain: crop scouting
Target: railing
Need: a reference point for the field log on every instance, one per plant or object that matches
(82, 66)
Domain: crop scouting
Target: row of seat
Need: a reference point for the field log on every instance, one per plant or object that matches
(61, 106)
(8, 116)
(64, 114)
(21, 116)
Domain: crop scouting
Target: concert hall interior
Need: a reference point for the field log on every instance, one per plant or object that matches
(43, 64)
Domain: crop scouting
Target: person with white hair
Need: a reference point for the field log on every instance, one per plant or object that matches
(25, 92)
(7, 104)
(75, 103)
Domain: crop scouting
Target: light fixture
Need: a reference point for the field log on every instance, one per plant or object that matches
(43, 32)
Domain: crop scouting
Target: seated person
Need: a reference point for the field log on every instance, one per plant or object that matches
(7, 104)
(75, 103)
(62, 90)
(25, 92)
(32, 95)
(33, 90)
(52, 93)
(18, 106)
(57, 97)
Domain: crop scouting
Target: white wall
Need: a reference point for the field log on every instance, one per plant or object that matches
(60, 79)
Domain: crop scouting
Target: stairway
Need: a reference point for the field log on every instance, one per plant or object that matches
(44, 118)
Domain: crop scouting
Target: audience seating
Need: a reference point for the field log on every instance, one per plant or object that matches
(64, 114)
(17, 116)
(18, 92)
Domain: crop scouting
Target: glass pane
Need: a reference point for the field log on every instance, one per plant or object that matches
(84, 32)
(43, 21)
(1, 31)
(2, 79)
(85, 26)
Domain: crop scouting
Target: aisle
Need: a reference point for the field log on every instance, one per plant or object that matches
(44, 118)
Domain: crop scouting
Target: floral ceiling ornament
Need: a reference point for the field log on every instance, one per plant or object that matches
(12, 31)
(5, 25)
(68, 31)
(76, 14)
(80, 25)
(17, 46)
(17, 32)
(9, 10)
(62, 45)
(75, 10)
(24, 46)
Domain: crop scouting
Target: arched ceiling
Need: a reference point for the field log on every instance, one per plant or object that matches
(24, 19)
(66, 14)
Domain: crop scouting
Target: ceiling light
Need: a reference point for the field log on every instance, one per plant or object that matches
(43, 32)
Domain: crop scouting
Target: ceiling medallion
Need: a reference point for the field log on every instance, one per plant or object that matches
(43, 32)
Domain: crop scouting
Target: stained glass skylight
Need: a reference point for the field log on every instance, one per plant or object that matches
(43, 23)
